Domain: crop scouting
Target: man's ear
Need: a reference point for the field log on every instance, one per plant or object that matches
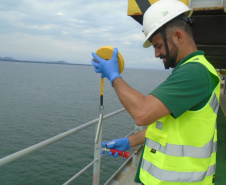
(178, 36)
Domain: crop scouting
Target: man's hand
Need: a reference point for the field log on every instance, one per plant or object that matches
(108, 68)
(118, 144)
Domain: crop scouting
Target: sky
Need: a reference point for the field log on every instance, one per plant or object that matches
(70, 30)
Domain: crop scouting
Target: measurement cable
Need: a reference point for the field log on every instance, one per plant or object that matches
(106, 53)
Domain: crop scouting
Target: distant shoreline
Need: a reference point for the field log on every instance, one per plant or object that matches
(39, 62)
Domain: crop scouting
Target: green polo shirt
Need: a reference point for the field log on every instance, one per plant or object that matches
(189, 87)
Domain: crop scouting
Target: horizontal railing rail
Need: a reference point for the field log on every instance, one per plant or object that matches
(17, 155)
(80, 172)
(52, 140)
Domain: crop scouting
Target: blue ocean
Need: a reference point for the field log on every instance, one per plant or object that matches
(39, 101)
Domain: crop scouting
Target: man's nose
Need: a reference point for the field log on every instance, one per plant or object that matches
(157, 53)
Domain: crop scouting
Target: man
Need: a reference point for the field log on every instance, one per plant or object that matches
(180, 140)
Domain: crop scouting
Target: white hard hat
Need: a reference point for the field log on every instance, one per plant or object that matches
(159, 14)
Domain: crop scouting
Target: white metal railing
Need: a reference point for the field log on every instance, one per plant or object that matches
(97, 156)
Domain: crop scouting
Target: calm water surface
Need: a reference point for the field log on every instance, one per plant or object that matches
(39, 101)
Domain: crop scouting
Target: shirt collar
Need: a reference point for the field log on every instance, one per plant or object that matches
(188, 57)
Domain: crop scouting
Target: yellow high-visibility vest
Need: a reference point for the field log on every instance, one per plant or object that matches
(182, 151)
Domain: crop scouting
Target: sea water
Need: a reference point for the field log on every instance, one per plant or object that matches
(39, 101)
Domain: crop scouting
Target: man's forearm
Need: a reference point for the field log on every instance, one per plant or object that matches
(137, 139)
(145, 110)
(129, 97)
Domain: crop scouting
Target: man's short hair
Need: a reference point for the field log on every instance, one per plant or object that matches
(178, 23)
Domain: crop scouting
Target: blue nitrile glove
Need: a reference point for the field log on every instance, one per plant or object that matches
(108, 68)
(118, 144)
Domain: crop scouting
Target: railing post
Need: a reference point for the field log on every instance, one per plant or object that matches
(97, 155)
(134, 159)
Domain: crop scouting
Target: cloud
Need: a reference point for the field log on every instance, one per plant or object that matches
(70, 30)
(60, 13)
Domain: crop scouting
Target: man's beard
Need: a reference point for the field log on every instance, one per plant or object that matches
(173, 55)
(171, 60)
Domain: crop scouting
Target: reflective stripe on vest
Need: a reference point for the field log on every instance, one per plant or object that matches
(184, 150)
(159, 125)
(174, 176)
(214, 103)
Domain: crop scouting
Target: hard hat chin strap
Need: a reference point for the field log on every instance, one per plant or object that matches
(167, 63)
